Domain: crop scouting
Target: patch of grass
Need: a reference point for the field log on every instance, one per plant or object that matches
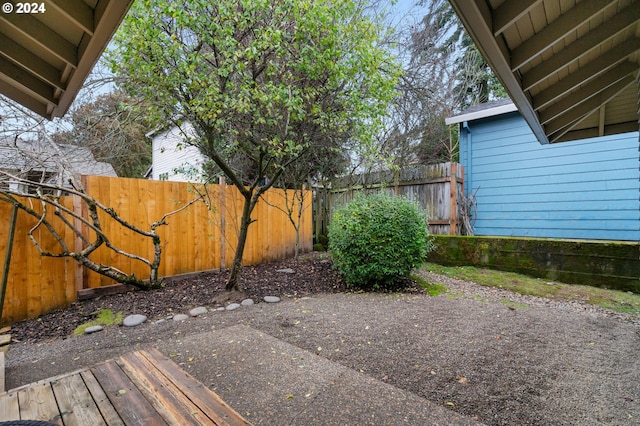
(514, 305)
(615, 300)
(104, 317)
(432, 289)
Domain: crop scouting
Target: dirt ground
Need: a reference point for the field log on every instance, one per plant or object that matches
(489, 354)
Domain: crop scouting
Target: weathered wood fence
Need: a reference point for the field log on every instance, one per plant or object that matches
(200, 237)
(436, 188)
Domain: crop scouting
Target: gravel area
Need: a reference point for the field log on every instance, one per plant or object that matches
(492, 355)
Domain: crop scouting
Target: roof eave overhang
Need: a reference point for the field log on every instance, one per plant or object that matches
(112, 15)
(28, 78)
(476, 17)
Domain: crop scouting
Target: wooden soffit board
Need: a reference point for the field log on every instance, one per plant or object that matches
(48, 48)
(570, 66)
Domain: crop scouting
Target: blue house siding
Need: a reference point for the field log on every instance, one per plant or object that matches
(587, 189)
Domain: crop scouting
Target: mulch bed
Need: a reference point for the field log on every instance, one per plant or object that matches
(313, 273)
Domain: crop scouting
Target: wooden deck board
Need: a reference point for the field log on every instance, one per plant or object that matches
(75, 402)
(125, 397)
(109, 413)
(9, 408)
(163, 395)
(140, 388)
(38, 403)
(210, 402)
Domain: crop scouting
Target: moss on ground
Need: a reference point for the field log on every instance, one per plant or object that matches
(432, 289)
(615, 300)
(103, 317)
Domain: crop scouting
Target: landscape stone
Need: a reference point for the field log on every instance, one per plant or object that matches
(233, 307)
(247, 302)
(198, 311)
(221, 308)
(134, 320)
(180, 317)
(93, 329)
(286, 271)
(271, 299)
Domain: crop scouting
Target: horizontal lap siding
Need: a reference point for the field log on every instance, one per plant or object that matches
(587, 189)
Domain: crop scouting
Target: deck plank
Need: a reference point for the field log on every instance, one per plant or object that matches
(132, 406)
(2, 375)
(9, 408)
(211, 404)
(165, 397)
(75, 403)
(38, 403)
(109, 414)
(142, 388)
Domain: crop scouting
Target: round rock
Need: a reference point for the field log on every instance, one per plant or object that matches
(271, 299)
(133, 320)
(180, 317)
(233, 306)
(247, 302)
(285, 271)
(198, 311)
(93, 329)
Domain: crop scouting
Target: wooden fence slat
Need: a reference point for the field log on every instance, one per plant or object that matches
(194, 239)
(435, 188)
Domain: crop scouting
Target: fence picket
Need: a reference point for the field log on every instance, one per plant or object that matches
(195, 239)
(435, 188)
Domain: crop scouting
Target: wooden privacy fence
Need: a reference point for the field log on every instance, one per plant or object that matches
(201, 237)
(437, 188)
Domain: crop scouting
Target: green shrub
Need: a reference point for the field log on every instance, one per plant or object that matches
(376, 240)
(318, 247)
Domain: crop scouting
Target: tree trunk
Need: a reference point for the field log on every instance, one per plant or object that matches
(234, 276)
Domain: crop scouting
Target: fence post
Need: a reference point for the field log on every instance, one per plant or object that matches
(453, 183)
(80, 209)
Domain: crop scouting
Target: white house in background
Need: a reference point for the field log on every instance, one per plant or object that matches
(172, 159)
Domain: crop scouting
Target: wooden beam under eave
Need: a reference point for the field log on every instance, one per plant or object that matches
(586, 73)
(556, 31)
(476, 17)
(37, 88)
(23, 98)
(593, 132)
(30, 62)
(44, 36)
(587, 91)
(582, 46)
(78, 12)
(107, 14)
(509, 12)
(566, 122)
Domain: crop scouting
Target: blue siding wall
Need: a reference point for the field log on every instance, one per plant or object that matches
(587, 189)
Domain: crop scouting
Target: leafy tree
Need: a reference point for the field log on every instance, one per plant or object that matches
(476, 82)
(443, 72)
(259, 80)
(113, 127)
